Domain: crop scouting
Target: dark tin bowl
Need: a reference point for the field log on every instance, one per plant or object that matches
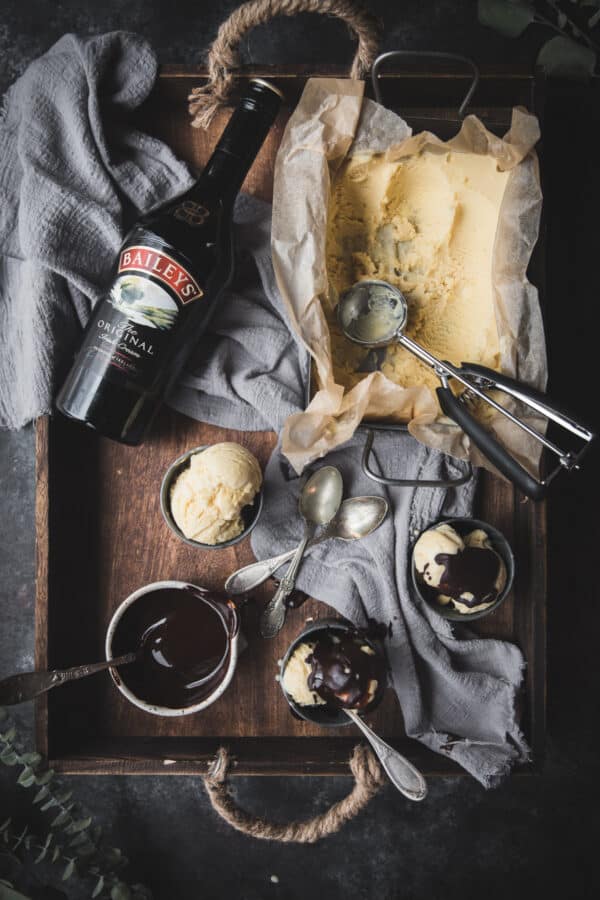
(250, 513)
(327, 716)
(499, 543)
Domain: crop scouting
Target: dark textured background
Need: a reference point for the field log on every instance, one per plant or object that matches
(533, 834)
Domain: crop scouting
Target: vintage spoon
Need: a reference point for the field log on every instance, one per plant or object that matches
(320, 500)
(27, 685)
(403, 775)
(357, 517)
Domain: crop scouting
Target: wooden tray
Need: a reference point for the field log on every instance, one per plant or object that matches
(100, 535)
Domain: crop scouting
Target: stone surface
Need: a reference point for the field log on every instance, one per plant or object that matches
(532, 834)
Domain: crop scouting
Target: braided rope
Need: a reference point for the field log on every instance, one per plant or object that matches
(223, 55)
(368, 778)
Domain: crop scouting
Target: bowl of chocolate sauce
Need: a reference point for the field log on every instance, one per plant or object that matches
(186, 638)
(473, 571)
(340, 672)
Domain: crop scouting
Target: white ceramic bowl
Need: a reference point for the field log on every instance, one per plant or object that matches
(167, 710)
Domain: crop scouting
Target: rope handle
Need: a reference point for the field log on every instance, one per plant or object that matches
(368, 779)
(223, 55)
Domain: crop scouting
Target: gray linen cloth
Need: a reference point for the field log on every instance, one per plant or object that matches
(74, 173)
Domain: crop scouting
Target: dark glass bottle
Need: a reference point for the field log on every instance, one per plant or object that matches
(169, 274)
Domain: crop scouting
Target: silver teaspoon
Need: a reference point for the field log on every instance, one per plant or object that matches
(27, 685)
(403, 775)
(320, 500)
(357, 517)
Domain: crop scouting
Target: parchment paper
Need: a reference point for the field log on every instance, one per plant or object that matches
(331, 121)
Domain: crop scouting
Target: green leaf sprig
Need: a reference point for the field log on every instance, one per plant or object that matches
(72, 842)
(573, 50)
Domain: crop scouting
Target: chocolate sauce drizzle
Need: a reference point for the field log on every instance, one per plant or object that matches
(474, 570)
(185, 639)
(341, 672)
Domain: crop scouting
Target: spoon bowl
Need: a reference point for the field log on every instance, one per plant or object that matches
(357, 517)
(321, 496)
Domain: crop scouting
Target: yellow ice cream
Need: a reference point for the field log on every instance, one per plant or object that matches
(295, 677)
(207, 497)
(427, 224)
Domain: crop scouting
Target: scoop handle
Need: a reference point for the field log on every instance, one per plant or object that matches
(530, 396)
(455, 409)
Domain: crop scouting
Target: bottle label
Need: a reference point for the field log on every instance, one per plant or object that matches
(148, 261)
(132, 327)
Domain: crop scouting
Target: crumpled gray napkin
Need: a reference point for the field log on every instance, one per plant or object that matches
(74, 173)
(457, 695)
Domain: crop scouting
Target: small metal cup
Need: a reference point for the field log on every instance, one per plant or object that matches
(250, 513)
(326, 716)
(499, 543)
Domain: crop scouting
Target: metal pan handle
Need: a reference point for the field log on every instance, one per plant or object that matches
(408, 482)
(427, 54)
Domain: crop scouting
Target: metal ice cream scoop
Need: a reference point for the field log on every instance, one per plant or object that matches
(374, 314)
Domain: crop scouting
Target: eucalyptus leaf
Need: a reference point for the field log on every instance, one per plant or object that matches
(99, 887)
(64, 796)
(27, 777)
(86, 849)
(61, 819)
(509, 17)
(7, 892)
(69, 869)
(8, 736)
(79, 839)
(8, 756)
(42, 854)
(5, 825)
(80, 825)
(45, 778)
(56, 853)
(31, 759)
(120, 892)
(565, 58)
(41, 795)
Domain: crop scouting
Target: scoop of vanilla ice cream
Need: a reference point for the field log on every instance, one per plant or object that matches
(207, 498)
(442, 539)
(295, 677)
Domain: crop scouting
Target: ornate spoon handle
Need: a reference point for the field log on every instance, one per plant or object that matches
(400, 771)
(274, 613)
(27, 685)
(250, 576)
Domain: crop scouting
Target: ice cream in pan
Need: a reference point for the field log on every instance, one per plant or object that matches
(338, 669)
(464, 573)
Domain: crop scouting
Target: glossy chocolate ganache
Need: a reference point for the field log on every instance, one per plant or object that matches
(184, 639)
(462, 571)
(334, 669)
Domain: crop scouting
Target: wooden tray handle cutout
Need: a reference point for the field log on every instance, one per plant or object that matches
(368, 779)
(223, 54)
